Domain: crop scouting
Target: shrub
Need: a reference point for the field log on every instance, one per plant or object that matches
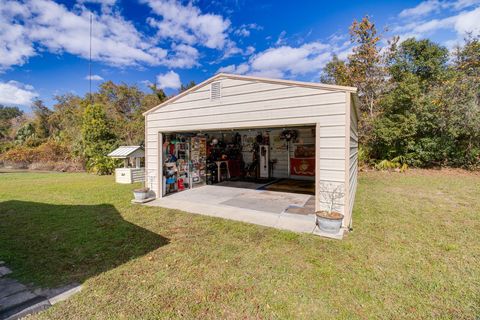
(20, 154)
(50, 155)
(52, 151)
(5, 146)
(398, 163)
(101, 165)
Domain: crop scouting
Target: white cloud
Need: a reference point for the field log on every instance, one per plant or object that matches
(228, 69)
(428, 7)
(285, 61)
(242, 68)
(16, 93)
(182, 56)
(422, 9)
(242, 32)
(231, 50)
(94, 77)
(186, 23)
(250, 50)
(461, 4)
(170, 80)
(245, 29)
(15, 48)
(34, 25)
(102, 2)
(460, 24)
(297, 60)
(115, 40)
(468, 22)
(281, 38)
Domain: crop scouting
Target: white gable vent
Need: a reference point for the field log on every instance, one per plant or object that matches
(215, 91)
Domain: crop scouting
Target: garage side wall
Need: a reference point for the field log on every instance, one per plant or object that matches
(353, 158)
(254, 104)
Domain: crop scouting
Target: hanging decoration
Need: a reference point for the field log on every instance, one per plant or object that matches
(288, 135)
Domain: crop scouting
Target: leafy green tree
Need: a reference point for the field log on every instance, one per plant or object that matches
(185, 87)
(467, 58)
(97, 138)
(41, 119)
(124, 106)
(422, 58)
(158, 92)
(410, 125)
(66, 122)
(458, 103)
(365, 70)
(364, 65)
(26, 135)
(416, 106)
(6, 116)
(336, 72)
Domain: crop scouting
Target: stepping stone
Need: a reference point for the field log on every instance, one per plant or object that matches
(16, 299)
(4, 271)
(21, 310)
(10, 286)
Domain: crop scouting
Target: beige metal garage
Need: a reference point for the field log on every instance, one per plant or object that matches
(260, 112)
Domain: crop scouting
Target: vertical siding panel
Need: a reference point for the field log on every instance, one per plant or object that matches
(151, 158)
(347, 218)
(160, 166)
(353, 157)
(317, 167)
(145, 181)
(332, 173)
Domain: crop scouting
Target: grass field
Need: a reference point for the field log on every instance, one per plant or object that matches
(414, 253)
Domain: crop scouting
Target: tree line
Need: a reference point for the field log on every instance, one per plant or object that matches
(419, 106)
(419, 102)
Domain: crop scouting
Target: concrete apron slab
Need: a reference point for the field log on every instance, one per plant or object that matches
(213, 201)
(17, 300)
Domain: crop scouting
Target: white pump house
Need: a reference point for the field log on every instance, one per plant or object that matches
(238, 131)
(132, 170)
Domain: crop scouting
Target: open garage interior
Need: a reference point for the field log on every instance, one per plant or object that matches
(259, 156)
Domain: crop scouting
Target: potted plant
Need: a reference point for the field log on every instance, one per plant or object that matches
(329, 220)
(141, 194)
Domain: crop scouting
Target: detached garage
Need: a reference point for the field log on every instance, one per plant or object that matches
(239, 147)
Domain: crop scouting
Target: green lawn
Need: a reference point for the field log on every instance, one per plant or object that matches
(414, 253)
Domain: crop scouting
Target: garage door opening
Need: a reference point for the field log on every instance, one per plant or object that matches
(274, 159)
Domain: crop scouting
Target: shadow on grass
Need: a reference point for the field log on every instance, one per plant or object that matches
(50, 245)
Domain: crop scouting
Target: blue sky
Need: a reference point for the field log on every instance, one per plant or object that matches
(44, 44)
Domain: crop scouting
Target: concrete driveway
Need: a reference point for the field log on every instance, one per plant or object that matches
(266, 208)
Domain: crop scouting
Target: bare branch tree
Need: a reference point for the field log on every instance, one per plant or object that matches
(331, 194)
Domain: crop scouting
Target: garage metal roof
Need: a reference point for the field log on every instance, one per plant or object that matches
(127, 151)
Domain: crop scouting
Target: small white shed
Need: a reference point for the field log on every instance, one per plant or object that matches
(132, 170)
(323, 118)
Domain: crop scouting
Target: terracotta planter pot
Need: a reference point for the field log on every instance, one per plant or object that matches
(329, 222)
